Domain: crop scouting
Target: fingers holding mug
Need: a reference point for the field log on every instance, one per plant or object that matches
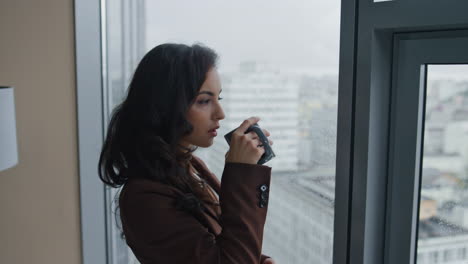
(260, 147)
(252, 135)
(266, 132)
(246, 124)
(244, 147)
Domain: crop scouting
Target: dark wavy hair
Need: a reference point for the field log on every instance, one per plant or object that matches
(144, 131)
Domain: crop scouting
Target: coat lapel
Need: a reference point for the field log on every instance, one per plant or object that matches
(201, 167)
(213, 211)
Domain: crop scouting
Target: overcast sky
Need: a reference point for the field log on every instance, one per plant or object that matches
(290, 34)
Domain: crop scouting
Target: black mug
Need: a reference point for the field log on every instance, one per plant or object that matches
(269, 154)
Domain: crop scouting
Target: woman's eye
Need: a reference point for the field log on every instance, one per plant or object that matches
(208, 100)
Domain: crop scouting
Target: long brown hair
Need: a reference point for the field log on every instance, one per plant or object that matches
(144, 131)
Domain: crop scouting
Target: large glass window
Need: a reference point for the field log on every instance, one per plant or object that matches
(279, 61)
(123, 46)
(284, 54)
(443, 217)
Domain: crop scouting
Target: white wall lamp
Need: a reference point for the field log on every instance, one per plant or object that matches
(8, 143)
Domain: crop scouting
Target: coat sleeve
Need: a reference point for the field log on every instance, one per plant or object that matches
(159, 233)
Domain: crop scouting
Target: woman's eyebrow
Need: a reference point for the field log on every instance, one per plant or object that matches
(209, 93)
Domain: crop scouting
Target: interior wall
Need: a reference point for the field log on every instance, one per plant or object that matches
(39, 198)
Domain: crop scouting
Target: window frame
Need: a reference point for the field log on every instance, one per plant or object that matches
(407, 135)
(362, 185)
(90, 116)
(94, 101)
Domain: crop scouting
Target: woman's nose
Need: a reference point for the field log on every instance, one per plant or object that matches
(219, 113)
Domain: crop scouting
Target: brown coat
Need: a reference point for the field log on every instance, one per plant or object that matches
(159, 233)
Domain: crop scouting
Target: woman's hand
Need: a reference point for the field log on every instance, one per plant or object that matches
(246, 148)
(269, 261)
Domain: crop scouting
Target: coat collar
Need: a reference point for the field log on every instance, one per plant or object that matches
(214, 182)
(206, 174)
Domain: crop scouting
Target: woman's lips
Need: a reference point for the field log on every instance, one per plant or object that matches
(213, 132)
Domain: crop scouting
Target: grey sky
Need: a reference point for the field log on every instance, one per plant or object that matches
(294, 33)
(451, 72)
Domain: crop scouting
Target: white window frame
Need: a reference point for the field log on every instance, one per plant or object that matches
(98, 230)
(90, 116)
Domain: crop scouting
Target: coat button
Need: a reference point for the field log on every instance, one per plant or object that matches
(262, 204)
(264, 196)
(263, 188)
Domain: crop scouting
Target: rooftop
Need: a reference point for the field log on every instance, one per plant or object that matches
(436, 227)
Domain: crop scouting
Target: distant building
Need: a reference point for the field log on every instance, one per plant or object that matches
(452, 163)
(441, 242)
(318, 121)
(258, 89)
(427, 209)
(441, 187)
(456, 141)
(299, 227)
(455, 212)
(446, 126)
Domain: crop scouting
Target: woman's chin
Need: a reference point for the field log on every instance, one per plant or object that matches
(206, 144)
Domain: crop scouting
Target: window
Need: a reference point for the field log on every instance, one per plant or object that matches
(378, 198)
(442, 221)
(430, 180)
(288, 63)
(434, 257)
(461, 253)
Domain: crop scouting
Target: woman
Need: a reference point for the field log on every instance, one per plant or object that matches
(172, 208)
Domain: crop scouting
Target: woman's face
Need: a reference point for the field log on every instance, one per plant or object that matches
(205, 112)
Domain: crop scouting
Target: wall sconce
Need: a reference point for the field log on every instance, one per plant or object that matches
(8, 143)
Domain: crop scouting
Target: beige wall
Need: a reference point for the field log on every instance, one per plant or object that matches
(39, 198)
